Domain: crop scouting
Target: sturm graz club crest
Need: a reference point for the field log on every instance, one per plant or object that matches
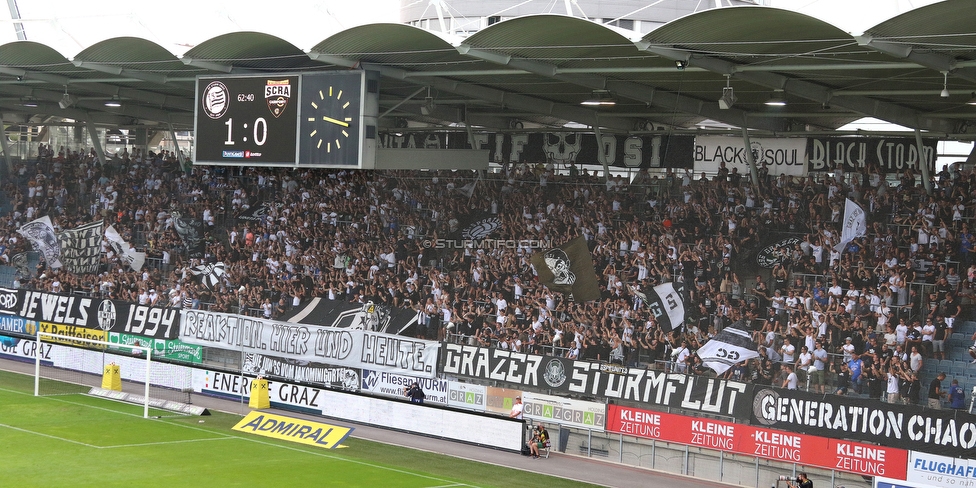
(106, 315)
(216, 99)
(555, 373)
(277, 94)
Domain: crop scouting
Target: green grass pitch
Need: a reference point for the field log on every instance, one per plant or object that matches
(76, 440)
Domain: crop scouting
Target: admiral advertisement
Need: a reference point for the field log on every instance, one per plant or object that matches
(854, 154)
(789, 447)
(712, 395)
(945, 432)
(935, 470)
(236, 386)
(565, 411)
(336, 378)
(779, 156)
(355, 348)
(395, 385)
(97, 313)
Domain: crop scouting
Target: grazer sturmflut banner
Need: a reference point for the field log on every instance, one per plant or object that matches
(355, 348)
(98, 313)
(563, 375)
(911, 427)
(81, 248)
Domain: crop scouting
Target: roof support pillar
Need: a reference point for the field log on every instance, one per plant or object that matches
(750, 158)
(924, 168)
(96, 142)
(6, 148)
(601, 157)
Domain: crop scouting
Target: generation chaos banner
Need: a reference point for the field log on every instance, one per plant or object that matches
(945, 432)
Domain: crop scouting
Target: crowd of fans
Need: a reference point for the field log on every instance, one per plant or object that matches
(866, 317)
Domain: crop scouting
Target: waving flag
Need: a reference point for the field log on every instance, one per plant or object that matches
(40, 233)
(209, 274)
(81, 248)
(665, 303)
(730, 346)
(855, 224)
(568, 269)
(126, 252)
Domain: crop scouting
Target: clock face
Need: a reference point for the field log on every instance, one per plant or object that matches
(331, 119)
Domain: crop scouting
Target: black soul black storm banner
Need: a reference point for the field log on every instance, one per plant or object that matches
(946, 432)
(698, 393)
(568, 269)
(891, 155)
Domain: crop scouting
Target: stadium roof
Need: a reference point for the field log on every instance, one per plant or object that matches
(535, 71)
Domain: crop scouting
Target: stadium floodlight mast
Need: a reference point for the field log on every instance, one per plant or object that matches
(138, 353)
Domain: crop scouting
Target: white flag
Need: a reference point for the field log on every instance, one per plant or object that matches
(727, 348)
(40, 233)
(126, 253)
(855, 224)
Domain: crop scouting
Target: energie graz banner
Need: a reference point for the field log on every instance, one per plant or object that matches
(532, 371)
(910, 427)
(93, 313)
(355, 348)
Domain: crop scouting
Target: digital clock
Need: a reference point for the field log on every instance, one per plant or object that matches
(247, 120)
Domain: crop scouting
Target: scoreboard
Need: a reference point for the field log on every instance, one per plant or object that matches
(300, 119)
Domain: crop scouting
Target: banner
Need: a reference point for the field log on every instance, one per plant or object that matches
(805, 450)
(535, 372)
(564, 411)
(944, 432)
(125, 252)
(935, 470)
(635, 151)
(779, 155)
(336, 378)
(97, 313)
(855, 154)
(729, 347)
(467, 395)
(854, 225)
(234, 385)
(10, 301)
(81, 248)
(354, 348)
(162, 348)
(40, 233)
(568, 269)
(366, 316)
(394, 385)
(10, 324)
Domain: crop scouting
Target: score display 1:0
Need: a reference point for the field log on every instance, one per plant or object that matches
(247, 120)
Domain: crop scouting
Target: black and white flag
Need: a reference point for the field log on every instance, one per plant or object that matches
(40, 233)
(568, 269)
(209, 274)
(81, 248)
(123, 250)
(665, 303)
(21, 262)
(190, 231)
(730, 346)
